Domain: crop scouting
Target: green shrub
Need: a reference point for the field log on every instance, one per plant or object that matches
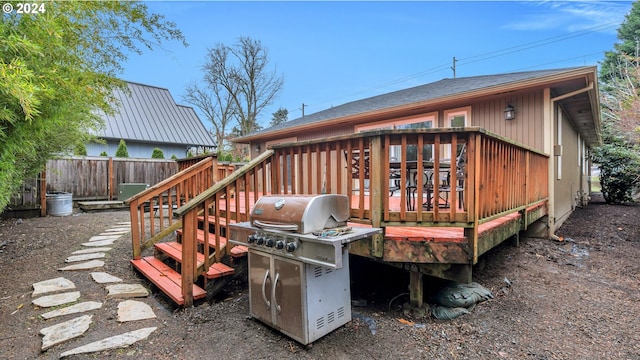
(122, 150)
(174, 157)
(80, 150)
(104, 153)
(157, 154)
(619, 171)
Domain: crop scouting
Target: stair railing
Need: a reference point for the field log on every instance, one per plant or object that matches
(162, 199)
(228, 201)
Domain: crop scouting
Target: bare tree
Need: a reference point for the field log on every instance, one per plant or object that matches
(242, 71)
(217, 106)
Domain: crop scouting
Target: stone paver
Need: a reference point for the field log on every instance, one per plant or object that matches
(132, 310)
(73, 309)
(104, 278)
(119, 229)
(56, 299)
(114, 233)
(104, 237)
(126, 291)
(64, 331)
(118, 341)
(128, 310)
(84, 257)
(98, 243)
(91, 250)
(52, 285)
(84, 266)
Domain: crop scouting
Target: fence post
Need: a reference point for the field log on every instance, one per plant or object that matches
(43, 192)
(110, 179)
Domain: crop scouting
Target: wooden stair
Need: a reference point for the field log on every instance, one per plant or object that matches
(165, 278)
(168, 278)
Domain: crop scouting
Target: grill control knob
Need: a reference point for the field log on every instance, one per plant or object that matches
(260, 240)
(270, 242)
(279, 244)
(291, 247)
(252, 238)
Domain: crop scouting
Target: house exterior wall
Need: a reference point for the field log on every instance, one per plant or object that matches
(137, 149)
(526, 128)
(540, 124)
(568, 166)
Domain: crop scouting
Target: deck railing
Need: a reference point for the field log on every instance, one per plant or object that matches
(162, 199)
(228, 201)
(467, 176)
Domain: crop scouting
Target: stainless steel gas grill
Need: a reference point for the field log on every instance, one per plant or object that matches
(299, 262)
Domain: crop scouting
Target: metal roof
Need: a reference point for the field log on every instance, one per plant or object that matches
(147, 113)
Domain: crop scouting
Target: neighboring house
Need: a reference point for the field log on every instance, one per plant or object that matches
(147, 117)
(555, 111)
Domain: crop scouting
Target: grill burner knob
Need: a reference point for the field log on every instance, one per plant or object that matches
(260, 240)
(270, 242)
(251, 239)
(291, 247)
(279, 244)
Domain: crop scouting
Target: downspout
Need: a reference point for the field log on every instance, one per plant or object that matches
(549, 149)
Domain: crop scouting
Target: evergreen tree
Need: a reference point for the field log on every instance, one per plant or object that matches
(280, 116)
(628, 46)
(122, 152)
(157, 154)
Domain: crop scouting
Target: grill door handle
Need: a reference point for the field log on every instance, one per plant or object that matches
(273, 292)
(290, 227)
(264, 294)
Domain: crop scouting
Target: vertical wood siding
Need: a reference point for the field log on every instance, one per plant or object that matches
(526, 128)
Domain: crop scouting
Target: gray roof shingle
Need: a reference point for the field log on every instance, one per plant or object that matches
(149, 114)
(431, 91)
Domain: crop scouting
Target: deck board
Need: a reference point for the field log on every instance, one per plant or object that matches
(165, 278)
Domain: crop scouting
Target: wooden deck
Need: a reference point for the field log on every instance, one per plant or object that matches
(392, 233)
(500, 189)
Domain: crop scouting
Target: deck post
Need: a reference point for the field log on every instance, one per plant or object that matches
(375, 188)
(135, 230)
(189, 224)
(416, 295)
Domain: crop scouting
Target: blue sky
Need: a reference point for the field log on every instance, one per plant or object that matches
(330, 53)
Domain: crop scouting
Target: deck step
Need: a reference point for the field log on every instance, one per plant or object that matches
(173, 249)
(239, 251)
(212, 238)
(218, 270)
(165, 278)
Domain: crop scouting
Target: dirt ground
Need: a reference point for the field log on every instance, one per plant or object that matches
(576, 299)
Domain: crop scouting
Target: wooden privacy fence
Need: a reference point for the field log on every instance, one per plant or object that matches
(97, 178)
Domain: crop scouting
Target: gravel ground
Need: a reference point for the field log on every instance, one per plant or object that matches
(576, 299)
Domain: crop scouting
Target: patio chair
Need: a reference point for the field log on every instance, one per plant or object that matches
(355, 167)
(446, 186)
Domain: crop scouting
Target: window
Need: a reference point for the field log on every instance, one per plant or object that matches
(460, 117)
(427, 121)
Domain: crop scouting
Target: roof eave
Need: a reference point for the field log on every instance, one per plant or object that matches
(491, 90)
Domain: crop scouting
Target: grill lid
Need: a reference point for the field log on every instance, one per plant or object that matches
(301, 213)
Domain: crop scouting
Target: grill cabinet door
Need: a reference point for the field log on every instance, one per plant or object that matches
(288, 298)
(260, 283)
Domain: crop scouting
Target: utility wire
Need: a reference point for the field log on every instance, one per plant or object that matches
(491, 55)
